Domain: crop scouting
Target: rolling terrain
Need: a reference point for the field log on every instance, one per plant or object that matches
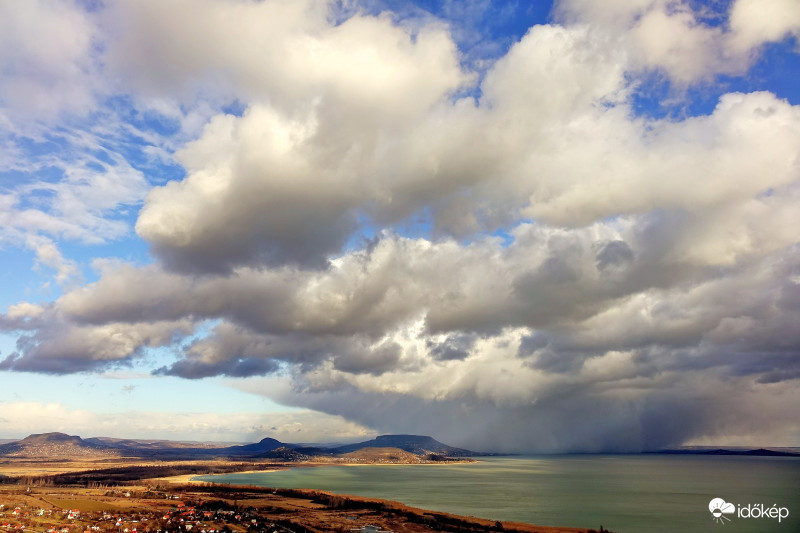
(411, 448)
(51, 445)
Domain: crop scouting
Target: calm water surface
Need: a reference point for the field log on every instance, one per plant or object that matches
(626, 494)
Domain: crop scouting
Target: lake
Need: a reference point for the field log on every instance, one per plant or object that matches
(623, 493)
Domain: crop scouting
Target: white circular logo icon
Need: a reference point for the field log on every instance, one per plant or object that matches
(719, 508)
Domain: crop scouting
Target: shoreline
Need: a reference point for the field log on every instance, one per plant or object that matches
(189, 478)
(432, 463)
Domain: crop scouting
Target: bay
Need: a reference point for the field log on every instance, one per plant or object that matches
(623, 493)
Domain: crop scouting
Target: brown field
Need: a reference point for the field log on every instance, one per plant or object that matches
(84, 504)
(26, 467)
(118, 471)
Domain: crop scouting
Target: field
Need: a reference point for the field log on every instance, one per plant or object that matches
(83, 504)
(117, 471)
(46, 467)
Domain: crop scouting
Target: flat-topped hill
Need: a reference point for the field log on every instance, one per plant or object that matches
(416, 444)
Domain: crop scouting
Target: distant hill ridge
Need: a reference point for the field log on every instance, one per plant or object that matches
(62, 445)
(54, 445)
(54, 437)
(416, 444)
(264, 445)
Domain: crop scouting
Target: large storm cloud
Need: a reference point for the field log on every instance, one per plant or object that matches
(509, 258)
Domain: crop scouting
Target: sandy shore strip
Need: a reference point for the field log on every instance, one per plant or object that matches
(188, 479)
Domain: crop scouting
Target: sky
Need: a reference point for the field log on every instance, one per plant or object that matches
(513, 226)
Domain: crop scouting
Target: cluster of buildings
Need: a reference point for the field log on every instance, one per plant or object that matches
(180, 518)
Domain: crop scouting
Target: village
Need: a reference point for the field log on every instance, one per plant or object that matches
(124, 512)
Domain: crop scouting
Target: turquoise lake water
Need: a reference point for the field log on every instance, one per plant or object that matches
(623, 493)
